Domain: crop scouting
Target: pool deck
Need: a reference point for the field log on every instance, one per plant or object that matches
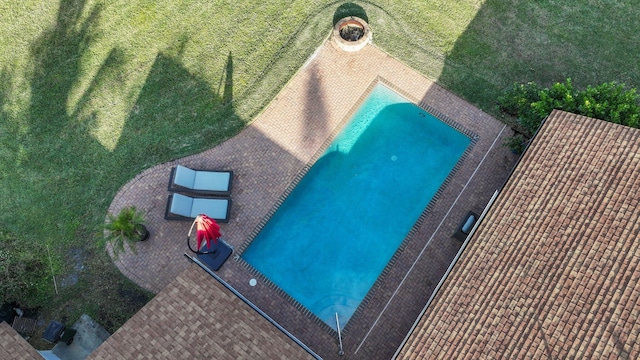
(270, 154)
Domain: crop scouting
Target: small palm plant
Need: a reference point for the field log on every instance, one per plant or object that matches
(126, 227)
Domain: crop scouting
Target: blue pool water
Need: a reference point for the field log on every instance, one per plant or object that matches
(334, 234)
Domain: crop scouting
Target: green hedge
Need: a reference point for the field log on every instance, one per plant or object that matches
(530, 103)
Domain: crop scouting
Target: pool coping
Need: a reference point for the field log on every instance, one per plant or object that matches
(473, 137)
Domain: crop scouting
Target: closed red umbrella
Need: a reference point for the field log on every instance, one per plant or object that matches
(206, 229)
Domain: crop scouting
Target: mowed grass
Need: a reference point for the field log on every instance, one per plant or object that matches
(478, 48)
(92, 93)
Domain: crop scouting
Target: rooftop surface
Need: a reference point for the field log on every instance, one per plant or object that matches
(190, 319)
(267, 158)
(13, 346)
(553, 270)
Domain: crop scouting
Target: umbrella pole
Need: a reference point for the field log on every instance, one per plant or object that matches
(189, 237)
(191, 228)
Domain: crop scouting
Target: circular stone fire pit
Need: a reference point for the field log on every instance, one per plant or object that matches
(351, 33)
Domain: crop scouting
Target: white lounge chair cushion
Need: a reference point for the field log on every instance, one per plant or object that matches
(209, 180)
(192, 207)
(202, 180)
(184, 177)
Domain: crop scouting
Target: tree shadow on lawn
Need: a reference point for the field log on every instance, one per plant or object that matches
(175, 114)
(515, 41)
(65, 177)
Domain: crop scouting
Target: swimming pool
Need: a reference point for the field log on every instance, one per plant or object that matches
(334, 234)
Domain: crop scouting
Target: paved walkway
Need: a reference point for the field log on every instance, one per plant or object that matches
(267, 156)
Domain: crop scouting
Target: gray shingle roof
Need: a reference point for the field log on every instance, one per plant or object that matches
(13, 346)
(553, 270)
(196, 317)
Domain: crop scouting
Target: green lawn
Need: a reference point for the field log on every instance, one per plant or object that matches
(93, 93)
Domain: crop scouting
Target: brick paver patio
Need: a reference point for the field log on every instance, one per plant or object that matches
(267, 156)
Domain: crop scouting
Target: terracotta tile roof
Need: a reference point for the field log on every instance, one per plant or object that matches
(196, 317)
(553, 270)
(13, 346)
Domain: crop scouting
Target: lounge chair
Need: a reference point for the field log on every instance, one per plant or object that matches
(206, 182)
(182, 207)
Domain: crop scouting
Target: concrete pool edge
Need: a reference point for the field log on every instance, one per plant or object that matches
(290, 295)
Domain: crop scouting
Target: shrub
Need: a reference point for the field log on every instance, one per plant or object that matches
(611, 102)
(530, 104)
(125, 228)
(518, 99)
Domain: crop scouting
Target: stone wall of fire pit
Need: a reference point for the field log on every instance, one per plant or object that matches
(351, 33)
